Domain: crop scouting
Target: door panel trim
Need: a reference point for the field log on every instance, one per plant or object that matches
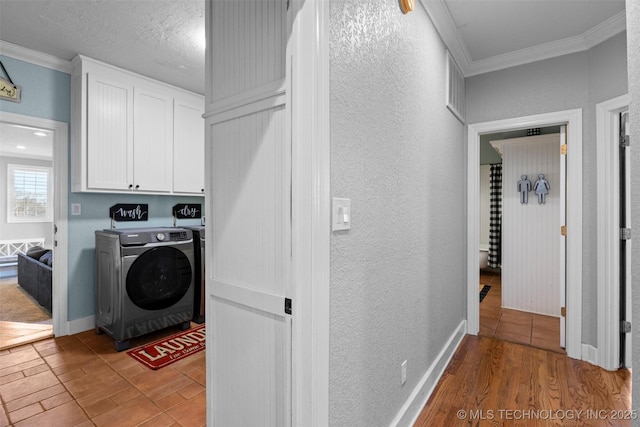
(262, 301)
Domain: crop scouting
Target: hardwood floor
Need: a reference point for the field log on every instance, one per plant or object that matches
(14, 334)
(516, 374)
(512, 325)
(491, 382)
(80, 380)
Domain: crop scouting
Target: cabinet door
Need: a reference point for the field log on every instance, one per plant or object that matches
(153, 141)
(188, 146)
(109, 133)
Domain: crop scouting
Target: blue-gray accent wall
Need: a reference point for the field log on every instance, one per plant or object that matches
(46, 94)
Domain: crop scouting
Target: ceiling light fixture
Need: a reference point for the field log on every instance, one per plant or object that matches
(21, 147)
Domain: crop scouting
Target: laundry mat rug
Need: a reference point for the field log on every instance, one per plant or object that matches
(483, 291)
(161, 353)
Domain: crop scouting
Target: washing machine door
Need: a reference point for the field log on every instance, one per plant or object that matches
(159, 278)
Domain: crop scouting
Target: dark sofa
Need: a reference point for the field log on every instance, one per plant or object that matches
(34, 275)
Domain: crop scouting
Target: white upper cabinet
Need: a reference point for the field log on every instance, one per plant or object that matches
(109, 157)
(188, 145)
(131, 133)
(153, 140)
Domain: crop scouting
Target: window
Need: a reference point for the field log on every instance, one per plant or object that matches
(30, 194)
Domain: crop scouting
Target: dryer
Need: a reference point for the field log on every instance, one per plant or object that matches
(144, 281)
(200, 278)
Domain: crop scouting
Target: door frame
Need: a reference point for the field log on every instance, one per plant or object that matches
(60, 219)
(311, 204)
(573, 120)
(608, 232)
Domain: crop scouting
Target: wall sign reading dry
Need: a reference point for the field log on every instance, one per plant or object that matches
(187, 211)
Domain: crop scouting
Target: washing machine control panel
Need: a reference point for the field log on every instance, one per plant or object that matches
(141, 238)
(177, 236)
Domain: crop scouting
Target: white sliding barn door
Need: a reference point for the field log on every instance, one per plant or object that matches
(249, 223)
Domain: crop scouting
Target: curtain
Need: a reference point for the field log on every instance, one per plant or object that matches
(495, 216)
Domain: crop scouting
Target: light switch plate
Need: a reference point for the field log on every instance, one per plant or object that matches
(76, 209)
(340, 214)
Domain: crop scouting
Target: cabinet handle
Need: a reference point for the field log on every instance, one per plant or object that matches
(202, 191)
(130, 186)
(137, 186)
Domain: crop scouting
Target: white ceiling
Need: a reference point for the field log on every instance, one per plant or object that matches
(163, 39)
(488, 35)
(22, 141)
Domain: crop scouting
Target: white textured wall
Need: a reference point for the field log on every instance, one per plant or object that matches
(633, 46)
(579, 80)
(398, 276)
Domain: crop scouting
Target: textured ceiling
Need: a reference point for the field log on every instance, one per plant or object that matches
(163, 39)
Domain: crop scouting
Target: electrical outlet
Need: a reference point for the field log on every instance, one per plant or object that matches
(403, 369)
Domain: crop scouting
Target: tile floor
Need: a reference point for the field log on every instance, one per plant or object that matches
(512, 325)
(80, 380)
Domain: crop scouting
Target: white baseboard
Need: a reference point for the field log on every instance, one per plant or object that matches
(590, 354)
(411, 409)
(80, 325)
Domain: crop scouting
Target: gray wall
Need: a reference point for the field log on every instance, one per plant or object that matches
(398, 276)
(579, 80)
(633, 46)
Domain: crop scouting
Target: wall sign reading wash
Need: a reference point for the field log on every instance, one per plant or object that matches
(129, 212)
(186, 211)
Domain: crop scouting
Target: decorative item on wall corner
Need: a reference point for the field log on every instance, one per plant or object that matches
(406, 6)
(533, 132)
(128, 212)
(8, 90)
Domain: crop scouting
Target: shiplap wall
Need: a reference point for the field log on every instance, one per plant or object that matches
(252, 35)
(531, 232)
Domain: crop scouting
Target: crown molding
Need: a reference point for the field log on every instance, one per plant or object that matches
(34, 57)
(446, 27)
(607, 29)
(442, 20)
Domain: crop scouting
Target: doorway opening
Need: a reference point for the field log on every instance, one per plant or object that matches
(33, 158)
(573, 121)
(522, 196)
(614, 275)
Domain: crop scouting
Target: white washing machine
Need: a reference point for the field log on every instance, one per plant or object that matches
(144, 281)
